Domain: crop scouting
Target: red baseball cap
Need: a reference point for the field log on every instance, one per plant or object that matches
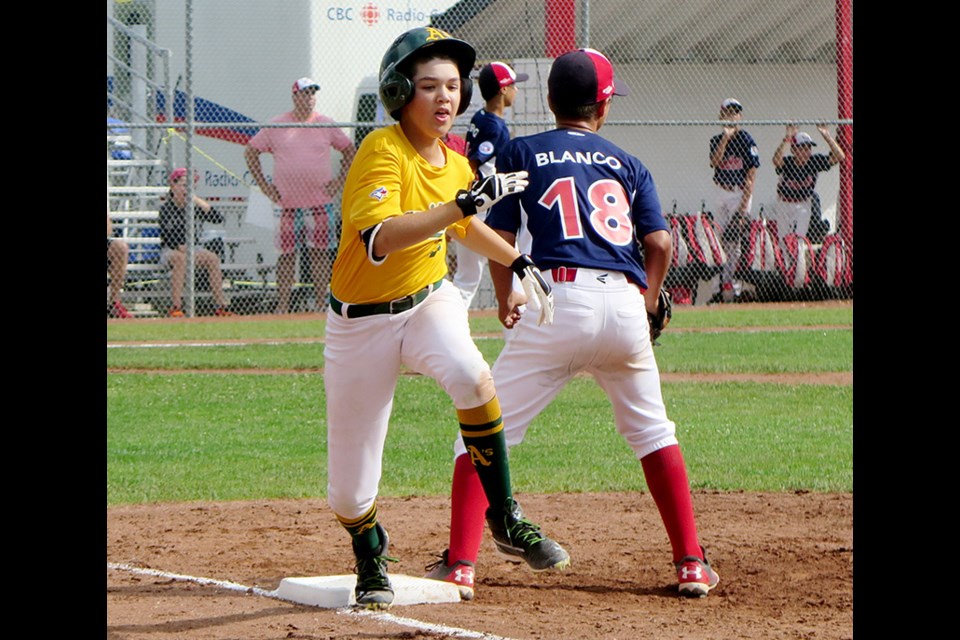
(583, 77)
(495, 75)
(179, 172)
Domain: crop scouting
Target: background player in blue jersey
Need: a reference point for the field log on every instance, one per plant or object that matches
(735, 160)
(798, 177)
(590, 207)
(487, 136)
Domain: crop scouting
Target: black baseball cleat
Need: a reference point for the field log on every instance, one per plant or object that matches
(373, 590)
(516, 537)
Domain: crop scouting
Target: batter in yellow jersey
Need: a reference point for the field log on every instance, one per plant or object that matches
(391, 308)
(391, 178)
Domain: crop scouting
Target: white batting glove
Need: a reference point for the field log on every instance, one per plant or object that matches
(539, 294)
(486, 192)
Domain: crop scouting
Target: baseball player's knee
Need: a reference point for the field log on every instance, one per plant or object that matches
(649, 438)
(468, 393)
(347, 504)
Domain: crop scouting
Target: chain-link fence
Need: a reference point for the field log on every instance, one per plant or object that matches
(192, 83)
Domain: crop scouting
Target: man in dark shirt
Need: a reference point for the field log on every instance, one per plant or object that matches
(173, 239)
(735, 160)
(798, 178)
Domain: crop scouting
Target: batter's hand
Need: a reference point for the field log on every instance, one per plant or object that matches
(509, 312)
(486, 192)
(539, 294)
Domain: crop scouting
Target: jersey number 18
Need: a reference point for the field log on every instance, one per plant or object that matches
(610, 216)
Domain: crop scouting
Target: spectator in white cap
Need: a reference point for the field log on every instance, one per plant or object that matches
(798, 177)
(735, 160)
(305, 188)
(487, 136)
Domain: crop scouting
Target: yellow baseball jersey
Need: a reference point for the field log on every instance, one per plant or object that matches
(388, 178)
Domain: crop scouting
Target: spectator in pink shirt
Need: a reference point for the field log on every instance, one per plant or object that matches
(304, 187)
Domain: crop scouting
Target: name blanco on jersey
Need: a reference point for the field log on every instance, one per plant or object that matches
(580, 157)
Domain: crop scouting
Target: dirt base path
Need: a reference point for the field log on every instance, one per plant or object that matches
(785, 561)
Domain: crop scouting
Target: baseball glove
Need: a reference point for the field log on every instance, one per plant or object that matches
(660, 319)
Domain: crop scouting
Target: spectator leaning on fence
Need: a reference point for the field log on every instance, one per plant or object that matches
(303, 185)
(173, 239)
(117, 253)
(798, 177)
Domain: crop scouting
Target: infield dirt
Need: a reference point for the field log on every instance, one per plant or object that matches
(785, 562)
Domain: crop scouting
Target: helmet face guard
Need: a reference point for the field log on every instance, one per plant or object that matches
(396, 85)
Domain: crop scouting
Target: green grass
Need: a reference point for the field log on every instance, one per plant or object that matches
(281, 356)
(245, 328)
(760, 352)
(201, 436)
(283, 328)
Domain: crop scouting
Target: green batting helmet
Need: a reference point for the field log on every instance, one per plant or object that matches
(396, 84)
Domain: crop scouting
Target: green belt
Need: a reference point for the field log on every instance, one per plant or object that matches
(394, 306)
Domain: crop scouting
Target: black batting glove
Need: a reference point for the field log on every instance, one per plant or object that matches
(486, 192)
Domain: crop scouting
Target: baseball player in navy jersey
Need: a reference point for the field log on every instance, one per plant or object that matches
(798, 177)
(488, 134)
(735, 160)
(590, 207)
(391, 307)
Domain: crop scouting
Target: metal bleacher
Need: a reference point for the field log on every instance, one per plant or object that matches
(137, 168)
(134, 211)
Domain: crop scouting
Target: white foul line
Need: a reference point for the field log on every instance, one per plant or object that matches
(348, 611)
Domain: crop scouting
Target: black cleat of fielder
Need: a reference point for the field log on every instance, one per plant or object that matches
(516, 537)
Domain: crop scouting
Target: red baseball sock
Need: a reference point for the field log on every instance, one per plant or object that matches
(468, 506)
(666, 476)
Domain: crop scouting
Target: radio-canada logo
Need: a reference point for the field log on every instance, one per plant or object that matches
(370, 14)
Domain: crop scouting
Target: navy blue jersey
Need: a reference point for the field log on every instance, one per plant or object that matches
(740, 155)
(488, 135)
(587, 203)
(796, 182)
